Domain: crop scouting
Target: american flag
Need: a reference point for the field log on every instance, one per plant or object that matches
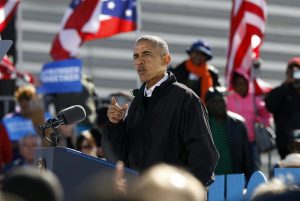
(93, 19)
(248, 19)
(8, 71)
(7, 10)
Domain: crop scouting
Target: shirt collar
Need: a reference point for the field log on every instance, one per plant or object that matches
(148, 92)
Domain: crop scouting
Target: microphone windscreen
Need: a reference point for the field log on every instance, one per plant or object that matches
(73, 114)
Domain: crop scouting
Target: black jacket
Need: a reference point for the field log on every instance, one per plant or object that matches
(182, 75)
(174, 130)
(243, 161)
(284, 103)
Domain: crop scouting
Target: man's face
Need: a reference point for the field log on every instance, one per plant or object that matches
(198, 57)
(216, 106)
(88, 148)
(149, 62)
(27, 149)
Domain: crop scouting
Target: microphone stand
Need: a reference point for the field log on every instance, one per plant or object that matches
(54, 136)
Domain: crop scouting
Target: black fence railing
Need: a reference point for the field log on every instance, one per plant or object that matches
(6, 103)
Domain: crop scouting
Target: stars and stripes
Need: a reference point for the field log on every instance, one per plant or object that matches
(92, 19)
(7, 10)
(8, 71)
(248, 19)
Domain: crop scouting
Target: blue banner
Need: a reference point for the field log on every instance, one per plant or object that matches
(61, 77)
(18, 126)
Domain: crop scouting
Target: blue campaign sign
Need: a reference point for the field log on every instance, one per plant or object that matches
(18, 126)
(61, 77)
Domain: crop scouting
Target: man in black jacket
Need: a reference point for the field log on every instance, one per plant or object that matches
(166, 121)
(230, 136)
(284, 103)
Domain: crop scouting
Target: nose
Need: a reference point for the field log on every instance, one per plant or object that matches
(139, 61)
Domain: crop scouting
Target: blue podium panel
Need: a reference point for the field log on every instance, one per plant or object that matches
(235, 184)
(73, 168)
(216, 191)
(289, 175)
(256, 179)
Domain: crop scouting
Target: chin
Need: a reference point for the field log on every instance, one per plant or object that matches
(143, 80)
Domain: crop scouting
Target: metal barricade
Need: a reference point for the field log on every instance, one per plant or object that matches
(5, 106)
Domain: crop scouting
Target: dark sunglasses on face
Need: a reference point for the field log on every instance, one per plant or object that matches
(86, 146)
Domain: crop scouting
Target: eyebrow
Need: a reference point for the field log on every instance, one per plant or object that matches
(144, 52)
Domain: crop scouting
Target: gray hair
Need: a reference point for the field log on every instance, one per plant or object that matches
(156, 42)
(37, 137)
(168, 182)
(276, 190)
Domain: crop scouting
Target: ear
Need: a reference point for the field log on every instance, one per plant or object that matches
(166, 59)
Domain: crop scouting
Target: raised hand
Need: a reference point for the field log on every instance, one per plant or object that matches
(116, 113)
(120, 181)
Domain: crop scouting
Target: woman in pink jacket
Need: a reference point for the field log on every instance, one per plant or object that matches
(242, 101)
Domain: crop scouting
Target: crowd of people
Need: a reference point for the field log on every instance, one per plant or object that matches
(179, 129)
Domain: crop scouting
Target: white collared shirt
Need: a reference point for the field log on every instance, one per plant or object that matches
(148, 92)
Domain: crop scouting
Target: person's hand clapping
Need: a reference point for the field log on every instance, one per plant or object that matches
(116, 113)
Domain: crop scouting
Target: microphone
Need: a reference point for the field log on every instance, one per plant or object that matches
(70, 115)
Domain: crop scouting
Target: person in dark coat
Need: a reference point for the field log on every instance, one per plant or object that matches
(284, 102)
(230, 136)
(195, 72)
(166, 121)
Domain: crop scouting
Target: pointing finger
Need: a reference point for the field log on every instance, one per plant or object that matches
(113, 100)
(125, 107)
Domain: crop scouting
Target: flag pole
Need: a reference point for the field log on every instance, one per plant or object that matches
(19, 30)
(138, 33)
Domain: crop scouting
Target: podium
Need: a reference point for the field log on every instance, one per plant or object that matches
(72, 167)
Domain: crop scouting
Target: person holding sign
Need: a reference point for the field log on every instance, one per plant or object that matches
(25, 118)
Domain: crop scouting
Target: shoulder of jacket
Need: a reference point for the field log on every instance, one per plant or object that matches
(182, 89)
(235, 116)
(213, 69)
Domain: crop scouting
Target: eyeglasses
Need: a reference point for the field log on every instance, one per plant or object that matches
(86, 146)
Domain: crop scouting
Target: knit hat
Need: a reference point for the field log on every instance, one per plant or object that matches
(201, 46)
